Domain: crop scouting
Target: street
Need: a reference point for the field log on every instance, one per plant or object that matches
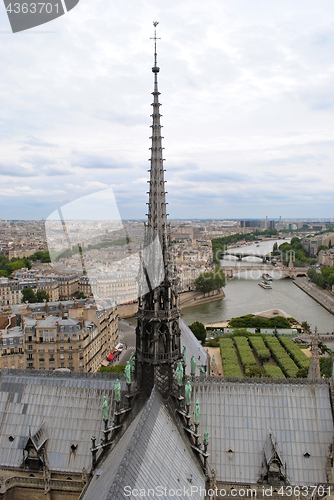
(127, 336)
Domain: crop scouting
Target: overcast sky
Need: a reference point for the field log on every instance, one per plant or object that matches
(247, 95)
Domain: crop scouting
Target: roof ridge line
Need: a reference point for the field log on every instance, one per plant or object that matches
(133, 441)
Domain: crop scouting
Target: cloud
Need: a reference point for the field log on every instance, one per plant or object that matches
(247, 105)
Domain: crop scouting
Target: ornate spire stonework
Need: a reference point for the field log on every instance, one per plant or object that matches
(158, 331)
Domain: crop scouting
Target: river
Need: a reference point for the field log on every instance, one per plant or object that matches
(244, 296)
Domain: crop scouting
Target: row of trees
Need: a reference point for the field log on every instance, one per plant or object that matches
(251, 321)
(210, 281)
(324, 279)
(299, 254)
(28, 295)
(8, 266)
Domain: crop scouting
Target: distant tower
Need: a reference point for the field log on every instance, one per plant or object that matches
(314, 369)
(291, 264)
(158, 332)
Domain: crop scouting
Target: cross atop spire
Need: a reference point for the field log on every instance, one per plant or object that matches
(155, 68)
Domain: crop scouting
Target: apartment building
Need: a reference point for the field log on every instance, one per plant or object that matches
(84, 286)
(68, 286)
(11, 348)
(10, 292)
(78, 337)
(326, 257)
(11, 289)
(119, 287)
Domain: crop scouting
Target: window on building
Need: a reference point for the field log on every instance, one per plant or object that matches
(70, 347)
(30, 365)
(51, 336)
(30, 356)
(62, 365)
(20, 350)
(61, 347)
(29, 347)
(46, 335)
(12, 350)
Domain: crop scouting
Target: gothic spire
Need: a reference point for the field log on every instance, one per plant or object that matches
(158, 332)
(157, 217)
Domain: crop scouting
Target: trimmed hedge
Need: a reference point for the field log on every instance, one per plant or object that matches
(260, 349)
(245, 353)
(273, 371)
(229, 359)
(297, 355)
(282, 358)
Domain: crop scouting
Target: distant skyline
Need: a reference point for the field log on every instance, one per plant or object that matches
(247, 102)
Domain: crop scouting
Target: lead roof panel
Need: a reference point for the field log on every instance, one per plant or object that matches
(193, 347)
(70, 413)
(245, 415)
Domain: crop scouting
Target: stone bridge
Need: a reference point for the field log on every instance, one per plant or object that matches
(276, 272)
(266, 257)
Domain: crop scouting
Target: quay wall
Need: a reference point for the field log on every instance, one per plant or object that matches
(316, 294)
(187, 299)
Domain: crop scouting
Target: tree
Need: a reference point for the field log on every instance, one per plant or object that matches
(302, 372)
(81, 295)
(28, 294)
(41, 295)
(199, 331)
(208, 282)
(306, 326)
(254, 371)
(322, 247)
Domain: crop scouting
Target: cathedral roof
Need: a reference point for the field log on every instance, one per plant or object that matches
(152, 453)
(68, 406)
(240, 416)
(193, 347)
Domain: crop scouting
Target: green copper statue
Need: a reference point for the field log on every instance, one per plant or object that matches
(105, 408)
(197, 412)
(187, 392)
(179, 374)
(127, 372)
(132, 362)
(184, 355)
(206, 437)
(117, 390)
(213, 363)
(202, 370)
(193, 364)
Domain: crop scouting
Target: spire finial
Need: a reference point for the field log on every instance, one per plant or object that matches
(155, 68)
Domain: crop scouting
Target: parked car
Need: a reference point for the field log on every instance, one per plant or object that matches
(119, 347)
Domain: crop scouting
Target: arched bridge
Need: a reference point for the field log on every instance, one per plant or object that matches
(275, 272)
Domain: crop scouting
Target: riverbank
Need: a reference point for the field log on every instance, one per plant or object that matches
(323, 297)
(191, 299)
(187, 299)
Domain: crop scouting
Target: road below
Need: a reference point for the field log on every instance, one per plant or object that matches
(323, 297)
(127, 335)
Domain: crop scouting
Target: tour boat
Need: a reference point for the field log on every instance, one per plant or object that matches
(264, 284)
(267, 277)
